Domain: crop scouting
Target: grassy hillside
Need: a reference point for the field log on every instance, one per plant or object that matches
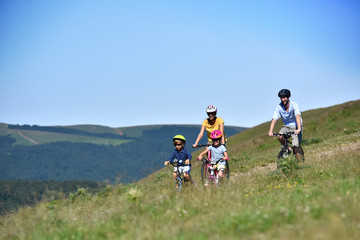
(320, 200)
(33, 135)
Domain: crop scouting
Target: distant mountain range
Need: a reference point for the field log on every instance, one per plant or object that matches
(89, 152)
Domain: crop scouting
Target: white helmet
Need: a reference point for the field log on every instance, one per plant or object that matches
(211, 108)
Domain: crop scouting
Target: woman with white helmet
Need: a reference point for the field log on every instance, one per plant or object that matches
(210, 124)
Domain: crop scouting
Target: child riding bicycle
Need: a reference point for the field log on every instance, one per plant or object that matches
(218, 153)
(180, 155)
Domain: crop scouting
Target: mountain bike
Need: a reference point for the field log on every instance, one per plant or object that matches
(209, 171)
(286, 151)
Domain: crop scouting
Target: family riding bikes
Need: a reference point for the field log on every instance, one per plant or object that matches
(215, 168)
(181, 158)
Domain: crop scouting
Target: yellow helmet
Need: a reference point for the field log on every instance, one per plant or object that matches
(179, 137)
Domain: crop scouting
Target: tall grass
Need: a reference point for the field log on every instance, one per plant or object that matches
(320, 200)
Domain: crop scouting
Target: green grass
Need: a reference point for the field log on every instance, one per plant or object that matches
(319, 200)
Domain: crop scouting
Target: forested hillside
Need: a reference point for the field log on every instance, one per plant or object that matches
(92, 156)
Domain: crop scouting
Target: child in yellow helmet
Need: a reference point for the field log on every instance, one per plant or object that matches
(181, 156)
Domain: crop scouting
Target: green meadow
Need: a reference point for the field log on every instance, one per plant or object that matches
(319, 199)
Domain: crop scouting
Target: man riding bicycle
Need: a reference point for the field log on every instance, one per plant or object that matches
(291, 117)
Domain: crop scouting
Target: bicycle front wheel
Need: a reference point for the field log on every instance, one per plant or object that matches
(178, 183)
(283, 154)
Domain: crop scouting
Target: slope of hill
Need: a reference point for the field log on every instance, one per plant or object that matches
(32, 135)
(88, 152)
(320, 200)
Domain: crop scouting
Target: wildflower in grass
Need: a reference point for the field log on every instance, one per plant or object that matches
(133, 194)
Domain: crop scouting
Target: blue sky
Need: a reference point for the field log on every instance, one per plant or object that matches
(128, 63)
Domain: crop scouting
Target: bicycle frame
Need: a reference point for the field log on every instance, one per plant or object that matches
(285, 151)
(179, 175)
(209, 171)
(286, 137)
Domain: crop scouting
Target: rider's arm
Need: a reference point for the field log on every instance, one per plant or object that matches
(202, 153)
(298, 124)
(223, 135)
(272, 125)
(189, 157)
(201, 133)
(226, 155)
(171, 158)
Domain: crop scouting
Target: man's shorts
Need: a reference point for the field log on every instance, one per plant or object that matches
(296, 139)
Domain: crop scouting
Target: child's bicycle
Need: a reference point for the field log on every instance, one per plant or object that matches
(209, 171)
(180, 179)
(285, 151)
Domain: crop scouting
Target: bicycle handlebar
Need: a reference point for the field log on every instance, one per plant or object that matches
(177, 164)
(207, 160)
(202, 145)
(287, 135)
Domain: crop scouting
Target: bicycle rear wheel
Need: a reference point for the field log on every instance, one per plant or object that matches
(204, 173)
(227, 170)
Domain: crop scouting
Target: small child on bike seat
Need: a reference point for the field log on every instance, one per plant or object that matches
(182, 157)
(218, 152)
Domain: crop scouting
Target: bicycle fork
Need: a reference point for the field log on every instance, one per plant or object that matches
(214, 177)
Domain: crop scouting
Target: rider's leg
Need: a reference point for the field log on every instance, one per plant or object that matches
(298, 151)
(221, 170)
(187, 176)
(281, 138)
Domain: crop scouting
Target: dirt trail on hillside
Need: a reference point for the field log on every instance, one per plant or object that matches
(27, 138)
(271, 167)
(348, 147)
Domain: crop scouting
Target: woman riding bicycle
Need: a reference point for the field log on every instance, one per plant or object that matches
(210, 124)
(218, 152)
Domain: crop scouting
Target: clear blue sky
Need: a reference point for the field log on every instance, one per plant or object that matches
(127, 63)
